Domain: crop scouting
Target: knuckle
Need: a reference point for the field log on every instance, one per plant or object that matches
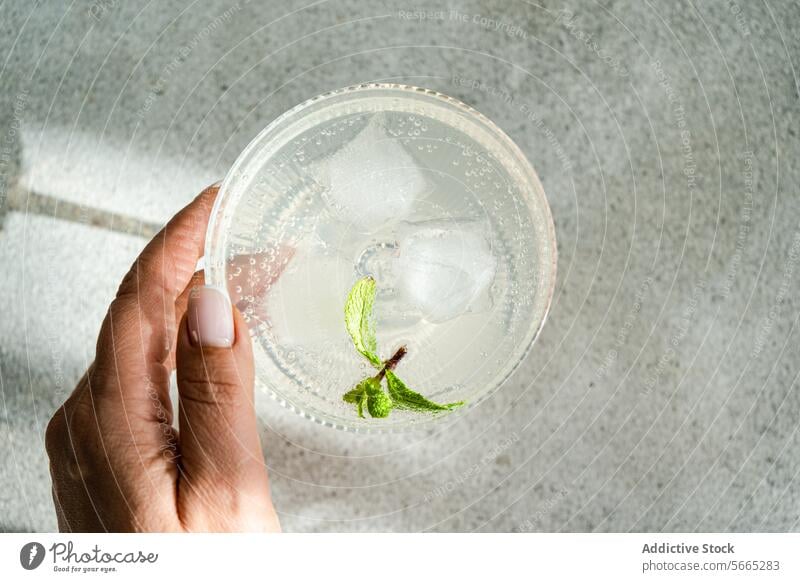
(138, 276)
(124, 309)
(104, 373)
(55, 433)
(130, 280)
(148, 277)
(203, 390)
(67, 444)
(122, 317)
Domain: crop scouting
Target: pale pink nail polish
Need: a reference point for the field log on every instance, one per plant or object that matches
(209, 317)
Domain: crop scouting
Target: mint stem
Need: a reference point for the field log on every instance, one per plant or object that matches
(392, 362)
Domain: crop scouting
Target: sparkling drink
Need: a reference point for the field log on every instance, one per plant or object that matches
(414, 189)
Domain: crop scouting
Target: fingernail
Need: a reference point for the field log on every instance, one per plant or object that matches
(209, 317)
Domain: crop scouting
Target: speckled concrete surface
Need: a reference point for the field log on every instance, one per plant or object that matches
(662, 393)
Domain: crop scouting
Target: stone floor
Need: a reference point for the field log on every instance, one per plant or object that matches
(662, 393)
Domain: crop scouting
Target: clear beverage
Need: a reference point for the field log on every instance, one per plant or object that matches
(414, 189)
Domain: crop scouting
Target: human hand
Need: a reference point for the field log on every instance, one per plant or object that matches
(116, 461)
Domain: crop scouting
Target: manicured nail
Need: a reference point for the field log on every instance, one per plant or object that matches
(209, 317)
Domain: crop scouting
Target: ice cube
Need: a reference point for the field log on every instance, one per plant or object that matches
(372, 180)
(447, 268)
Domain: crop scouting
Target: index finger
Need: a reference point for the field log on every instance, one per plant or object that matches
(139, 328)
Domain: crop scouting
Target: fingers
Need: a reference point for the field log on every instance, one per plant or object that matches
(137, 335)
(122, 414)
(221, 461)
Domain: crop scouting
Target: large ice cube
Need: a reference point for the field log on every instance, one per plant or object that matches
(372, 180)
(447, 268)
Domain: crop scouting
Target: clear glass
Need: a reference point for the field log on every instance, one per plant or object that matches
(409, 186)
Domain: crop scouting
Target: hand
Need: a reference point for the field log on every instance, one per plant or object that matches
(116, 461)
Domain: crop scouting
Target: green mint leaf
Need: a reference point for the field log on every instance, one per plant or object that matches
(358, 319)
(405, 398)
(362, 402)
(358, 396)
(378, 402)
(354, 395)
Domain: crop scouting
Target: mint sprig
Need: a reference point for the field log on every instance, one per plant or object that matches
(369, 392)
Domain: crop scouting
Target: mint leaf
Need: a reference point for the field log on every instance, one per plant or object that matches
(358, 319)
(358, 396)
(362, 402)
(354, 395)
(378, 402)
(405, 398)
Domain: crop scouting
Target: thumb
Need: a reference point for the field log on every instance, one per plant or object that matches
(224, 479)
